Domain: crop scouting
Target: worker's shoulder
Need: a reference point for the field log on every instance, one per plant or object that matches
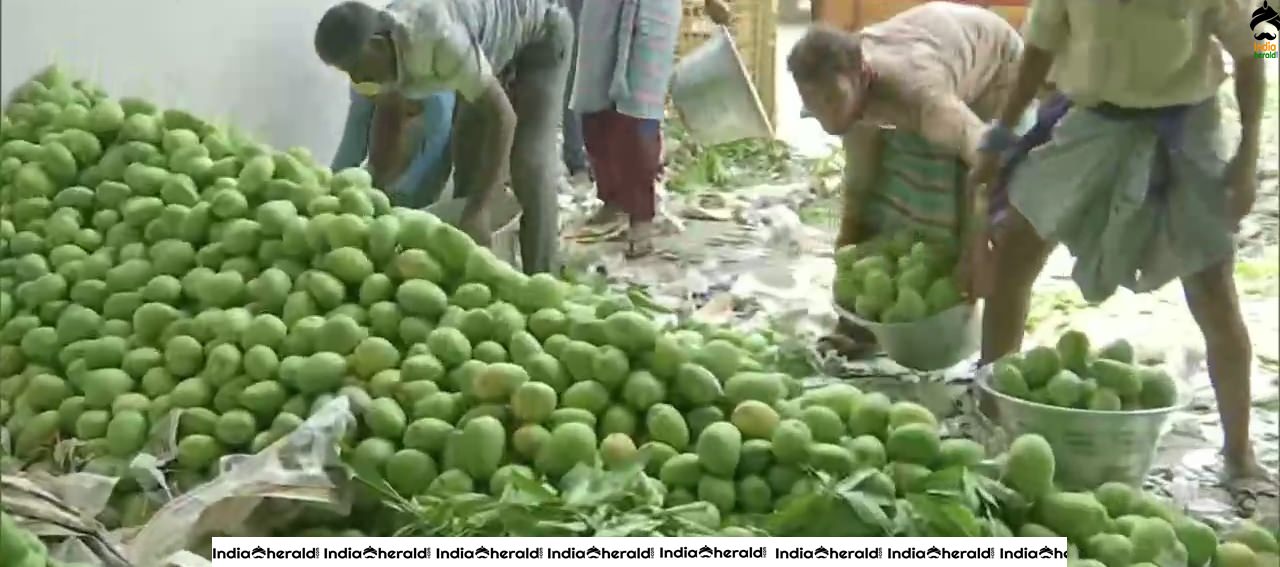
(439, 16)
(422, 10)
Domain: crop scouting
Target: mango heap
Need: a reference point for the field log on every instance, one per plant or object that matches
(899, 279)
(1116, 525)
(157, 266)
(1074, 375)
(161, 266)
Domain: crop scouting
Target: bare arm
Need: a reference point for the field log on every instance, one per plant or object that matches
(1250, 72)
(384, 138)
(353, 149)
(1251, 86)
(718, 11)
(495, 123)
(487, 121)
(1046, 31)
(862, 151)
(1033, 71)
(428, 169)
(948, 123)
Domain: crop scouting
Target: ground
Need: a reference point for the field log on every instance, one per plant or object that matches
(749, 242)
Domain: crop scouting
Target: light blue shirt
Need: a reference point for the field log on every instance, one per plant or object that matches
(626, 56)
(424, 179)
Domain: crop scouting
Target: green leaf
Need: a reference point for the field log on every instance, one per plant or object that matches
(527, 491)
(629, 525)
(541, 524)
(904, 520)
(644, 302)
(855, 480)
(797, 512)
(852, 485)
(993, 527)
(1000, 500)
(868, 511)
(954, 482)
(948, 479)
(944, 517)
(596, 487)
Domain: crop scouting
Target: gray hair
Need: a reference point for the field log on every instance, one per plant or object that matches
(344, 30)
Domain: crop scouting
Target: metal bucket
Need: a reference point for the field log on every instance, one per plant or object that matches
(714, 95)
(934, 343)
(1090, 447)
(504, 223)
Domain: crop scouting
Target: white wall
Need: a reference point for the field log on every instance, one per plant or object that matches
(248, 62)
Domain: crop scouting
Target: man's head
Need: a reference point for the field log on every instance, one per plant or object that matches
(355, 37)
(828, 69)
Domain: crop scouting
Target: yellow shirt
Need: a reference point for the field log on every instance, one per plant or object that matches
(1140, 53)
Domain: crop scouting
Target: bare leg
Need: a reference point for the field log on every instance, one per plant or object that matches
(607, 213)
(644, 146)
(1019, 255)
(597, 129)
(539, 102)
(572, 149)
(465, 150)
(1211, 296)
(640, 238)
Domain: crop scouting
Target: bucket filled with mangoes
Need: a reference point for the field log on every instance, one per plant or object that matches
(901, 289)
(1102, 412)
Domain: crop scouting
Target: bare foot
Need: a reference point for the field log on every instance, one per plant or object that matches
(606, 214)
(1245, 468)
(850, 342)
(640, 239)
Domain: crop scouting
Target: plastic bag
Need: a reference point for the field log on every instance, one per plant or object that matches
(296, 467)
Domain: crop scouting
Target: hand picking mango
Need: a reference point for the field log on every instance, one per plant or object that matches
(1072, 374)
(899, 279)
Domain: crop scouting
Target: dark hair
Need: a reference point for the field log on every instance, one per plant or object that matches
(823, 53)
(344, 29)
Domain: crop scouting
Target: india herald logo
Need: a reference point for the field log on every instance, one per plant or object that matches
(1264, 45)
(1264, 14)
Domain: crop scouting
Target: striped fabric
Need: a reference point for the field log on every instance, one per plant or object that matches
(1093, 188)
(918, 187)
(626, 55)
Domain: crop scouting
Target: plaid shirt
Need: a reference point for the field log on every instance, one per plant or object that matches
(626, 56)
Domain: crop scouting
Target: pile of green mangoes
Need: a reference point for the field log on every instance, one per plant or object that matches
(21, 548)
(1116, 525)
(159, 266)
(901, 278)
(164, 266)
(1074, 375)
